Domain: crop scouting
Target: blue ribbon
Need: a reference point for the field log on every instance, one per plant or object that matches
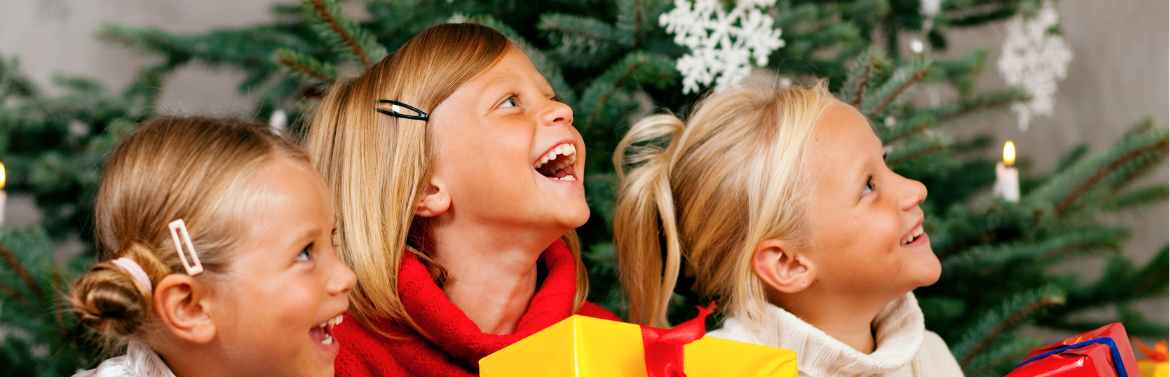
(1118, 362)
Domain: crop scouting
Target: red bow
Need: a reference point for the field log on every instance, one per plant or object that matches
(664, 347)
(1156, 353)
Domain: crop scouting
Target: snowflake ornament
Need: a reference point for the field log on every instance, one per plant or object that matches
(1034, 59)
(722, 44)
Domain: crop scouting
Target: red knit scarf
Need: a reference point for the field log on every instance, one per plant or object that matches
(456, 343)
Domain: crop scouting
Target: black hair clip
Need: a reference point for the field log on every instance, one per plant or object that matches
(397, 109)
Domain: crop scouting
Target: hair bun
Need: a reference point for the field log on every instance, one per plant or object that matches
(107, 299)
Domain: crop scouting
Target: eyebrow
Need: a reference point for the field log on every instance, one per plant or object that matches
(304, 234)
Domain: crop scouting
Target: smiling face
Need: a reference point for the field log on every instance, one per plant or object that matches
(285, 288)
(865, 226)
(507, 153)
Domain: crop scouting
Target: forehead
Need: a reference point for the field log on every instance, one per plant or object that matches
(514, 67)
(286, 197)
(842, 135)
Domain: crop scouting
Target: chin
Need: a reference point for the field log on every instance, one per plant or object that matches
(577, 216)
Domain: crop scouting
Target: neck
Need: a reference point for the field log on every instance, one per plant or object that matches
(847, 318)
(491, 273)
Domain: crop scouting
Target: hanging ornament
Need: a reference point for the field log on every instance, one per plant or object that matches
(1034, 58)
(278, 121)
(723, 44)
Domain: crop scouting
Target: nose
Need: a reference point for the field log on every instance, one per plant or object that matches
(341, 280)
(915, 193)
(557, 113)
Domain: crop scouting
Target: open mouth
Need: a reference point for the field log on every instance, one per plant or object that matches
(323, 332)
(557, 164)
(913, 236)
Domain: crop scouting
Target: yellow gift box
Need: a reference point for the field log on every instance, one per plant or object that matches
(1150, 368)
(1155, 363)
(589, 347)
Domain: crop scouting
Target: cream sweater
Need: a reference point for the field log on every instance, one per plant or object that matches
(139, 361)
(903, 346)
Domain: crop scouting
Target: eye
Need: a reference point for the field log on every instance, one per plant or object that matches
(509, 102)
(306, 254)
(869, 186)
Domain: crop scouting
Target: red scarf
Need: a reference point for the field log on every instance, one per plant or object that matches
(457, 344)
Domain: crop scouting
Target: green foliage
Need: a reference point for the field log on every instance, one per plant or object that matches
(612, 62)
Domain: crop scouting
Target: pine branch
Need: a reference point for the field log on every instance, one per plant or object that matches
(1104, 171)
(306, 66)
(904, 77)
(992, 257)
(860, 73)
(1008, 352)
(25, 276)
(1013, 312)
(637, 67)
(335, 27)
(1136, 198)
(981, 102)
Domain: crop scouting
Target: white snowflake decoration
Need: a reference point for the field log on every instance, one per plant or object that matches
(722, 44)
(1034, 59)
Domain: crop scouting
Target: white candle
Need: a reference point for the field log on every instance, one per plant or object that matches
(1007, 178)
(3, 195)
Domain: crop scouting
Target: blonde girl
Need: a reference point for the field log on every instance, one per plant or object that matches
(459, 181)
(216, 256)
(779, 203)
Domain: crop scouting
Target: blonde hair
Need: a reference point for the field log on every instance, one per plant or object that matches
(706, 192)
(377, 164)
(188, 168)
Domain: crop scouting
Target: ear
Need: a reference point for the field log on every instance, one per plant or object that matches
(183, 308)
(777, 263)
(434, 200)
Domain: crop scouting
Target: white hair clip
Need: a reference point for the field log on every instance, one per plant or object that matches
(131, 267)
(182, 238)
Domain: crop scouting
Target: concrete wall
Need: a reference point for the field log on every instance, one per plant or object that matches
(1118, 75)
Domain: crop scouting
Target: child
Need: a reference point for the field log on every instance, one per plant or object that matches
(781, 206)
(217, 256)
(458, 176)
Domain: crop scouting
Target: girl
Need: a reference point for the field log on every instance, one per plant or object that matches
(781, 206)
(458, 176)
(217, 256)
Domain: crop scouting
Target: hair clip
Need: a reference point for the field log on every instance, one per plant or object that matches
(131, 267)
(179, 233)
(398, 110)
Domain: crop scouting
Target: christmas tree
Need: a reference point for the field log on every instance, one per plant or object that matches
(614, 61)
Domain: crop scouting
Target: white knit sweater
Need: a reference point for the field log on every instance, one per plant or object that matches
(139, 361)
(903, 346)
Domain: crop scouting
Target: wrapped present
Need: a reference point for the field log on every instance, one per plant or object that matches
(1155, 364)
(1101, 352)
(587, 347)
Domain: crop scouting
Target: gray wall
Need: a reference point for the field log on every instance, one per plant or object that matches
(1118, 75)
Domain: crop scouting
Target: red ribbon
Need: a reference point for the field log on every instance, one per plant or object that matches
(1156, 353)
(663, 348)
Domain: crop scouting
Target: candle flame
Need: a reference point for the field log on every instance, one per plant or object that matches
(1009, 153)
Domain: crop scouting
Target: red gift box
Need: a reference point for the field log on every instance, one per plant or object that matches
(1101, 352)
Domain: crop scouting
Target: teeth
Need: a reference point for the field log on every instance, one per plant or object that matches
(559, 150)
(328, 339)
(913, 235)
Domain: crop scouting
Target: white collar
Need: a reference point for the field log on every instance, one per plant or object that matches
(898, 331)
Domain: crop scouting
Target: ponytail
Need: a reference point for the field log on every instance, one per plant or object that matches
(645, 215)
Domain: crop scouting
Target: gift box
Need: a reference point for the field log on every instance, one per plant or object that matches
(1101, 352)
(588, 347)
(1155, 362)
